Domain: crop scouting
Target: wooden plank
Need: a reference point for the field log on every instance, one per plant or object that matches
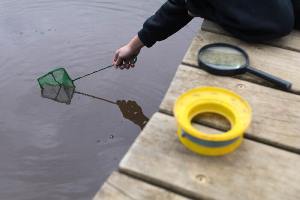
(290, 42)
(276, 114)
(122, 187)
(279, 62)
(254, 171)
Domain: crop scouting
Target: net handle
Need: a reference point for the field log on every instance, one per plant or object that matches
(93, 72)
(134, 61)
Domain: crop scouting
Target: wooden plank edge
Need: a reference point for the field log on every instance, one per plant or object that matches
(128, 176)
(214, 28)
(251, 80)
(247, 136)
(166, 186)
(163, 184)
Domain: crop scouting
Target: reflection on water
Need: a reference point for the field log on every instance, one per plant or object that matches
(56, 152)
(130, 110)
(102, 99)
(57, 91)
(58, 86)
(133, 112)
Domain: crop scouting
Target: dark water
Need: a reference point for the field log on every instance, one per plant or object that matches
(55, 151)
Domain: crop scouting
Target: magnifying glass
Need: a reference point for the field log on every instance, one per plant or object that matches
(228, 60)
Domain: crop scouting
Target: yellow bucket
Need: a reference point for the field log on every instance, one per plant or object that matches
(212, 100)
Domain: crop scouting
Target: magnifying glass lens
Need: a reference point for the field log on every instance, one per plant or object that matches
(228, 60)
(223, 58)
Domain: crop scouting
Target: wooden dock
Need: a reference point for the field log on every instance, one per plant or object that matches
(267, 164)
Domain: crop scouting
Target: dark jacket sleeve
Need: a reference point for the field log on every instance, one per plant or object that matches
(170, 18)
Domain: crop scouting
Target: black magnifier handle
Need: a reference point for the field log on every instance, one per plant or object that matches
(134, 59)
(273, 79)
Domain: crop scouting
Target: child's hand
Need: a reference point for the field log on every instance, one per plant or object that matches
(125, 56)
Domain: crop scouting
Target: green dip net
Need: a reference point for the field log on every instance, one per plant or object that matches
(57, 85)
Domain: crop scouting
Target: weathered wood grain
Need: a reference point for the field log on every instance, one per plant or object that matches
(122, 187)
(291, 41)
(254, 171)
(276, 114)
(279, 62)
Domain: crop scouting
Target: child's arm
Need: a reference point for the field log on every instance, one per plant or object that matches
(170, 18)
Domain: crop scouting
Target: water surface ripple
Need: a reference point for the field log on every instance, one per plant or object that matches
(55, 151)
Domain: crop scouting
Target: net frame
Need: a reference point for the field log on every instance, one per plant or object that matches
(57, 82)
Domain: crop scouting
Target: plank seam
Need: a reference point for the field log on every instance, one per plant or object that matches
(296, 92)
(248, 136)
(120, 190)
(165, 186)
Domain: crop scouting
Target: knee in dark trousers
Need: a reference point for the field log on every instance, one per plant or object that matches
(285, 25)
(279, 22)
(257, 21)
(296, 5)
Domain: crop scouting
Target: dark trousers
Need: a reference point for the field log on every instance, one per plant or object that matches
(249, 20)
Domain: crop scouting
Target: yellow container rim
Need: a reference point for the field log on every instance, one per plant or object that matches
(213, 100)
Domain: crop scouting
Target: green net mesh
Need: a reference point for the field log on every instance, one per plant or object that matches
(57, 85)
